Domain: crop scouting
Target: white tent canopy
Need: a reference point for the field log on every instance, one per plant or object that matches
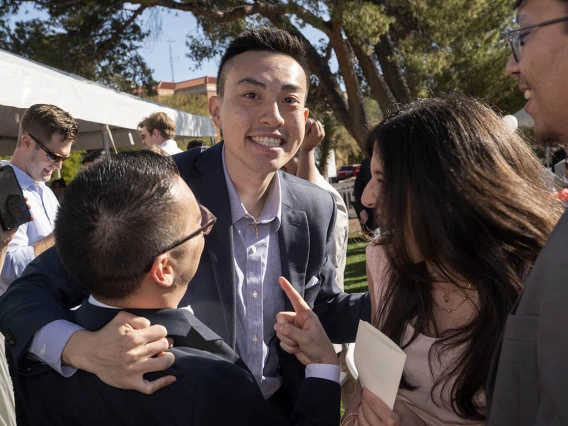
(27, 82)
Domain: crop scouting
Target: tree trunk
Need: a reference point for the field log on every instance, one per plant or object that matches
(392, 71)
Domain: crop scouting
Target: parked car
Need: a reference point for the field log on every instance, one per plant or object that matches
(351, 170)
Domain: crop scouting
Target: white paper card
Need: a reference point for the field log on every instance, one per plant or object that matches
(379, 362)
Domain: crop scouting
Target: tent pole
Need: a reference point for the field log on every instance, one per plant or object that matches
(105, 140)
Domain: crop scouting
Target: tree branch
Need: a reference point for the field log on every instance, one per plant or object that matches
(106, 44)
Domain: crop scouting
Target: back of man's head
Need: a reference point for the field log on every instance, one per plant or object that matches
(161, 122)
(43, 121)
(115, 217)
(262, 39)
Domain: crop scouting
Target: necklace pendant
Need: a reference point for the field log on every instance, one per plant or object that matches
(446, 298)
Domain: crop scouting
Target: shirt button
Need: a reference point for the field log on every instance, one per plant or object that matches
(255, 295)
(255, 340)
(253, 250)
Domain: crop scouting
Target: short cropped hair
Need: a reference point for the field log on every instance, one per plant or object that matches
(194, 143)
(43, 121)
(92, 156)
(159, 121)
(262, 39)
(115, 216)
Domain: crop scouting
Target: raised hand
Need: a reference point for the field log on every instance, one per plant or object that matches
(301, 332)
(122, 352)
(313, 136)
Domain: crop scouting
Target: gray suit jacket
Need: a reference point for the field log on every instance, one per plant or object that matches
(528, 382)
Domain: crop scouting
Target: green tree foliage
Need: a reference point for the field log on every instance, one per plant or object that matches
(97, 40)
(389, 50)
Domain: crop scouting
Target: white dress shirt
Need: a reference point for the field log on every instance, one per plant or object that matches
(44, 207)
(170, 146)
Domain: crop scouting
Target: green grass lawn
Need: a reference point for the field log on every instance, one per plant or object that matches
(355, 278)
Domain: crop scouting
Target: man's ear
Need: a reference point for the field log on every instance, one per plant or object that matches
(215, 109)
(306, 114)
(155, 133)
(162, 272)
(27, 142)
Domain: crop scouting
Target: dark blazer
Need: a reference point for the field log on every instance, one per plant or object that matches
(213, 386)
(527, 384)
(305, 238)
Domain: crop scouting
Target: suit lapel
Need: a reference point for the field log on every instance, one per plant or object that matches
(293, 237)
(210, 189)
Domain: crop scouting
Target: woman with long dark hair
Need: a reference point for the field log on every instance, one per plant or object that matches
(464, 211)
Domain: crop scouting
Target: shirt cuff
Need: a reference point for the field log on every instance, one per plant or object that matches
(48, 344)
(323, 371)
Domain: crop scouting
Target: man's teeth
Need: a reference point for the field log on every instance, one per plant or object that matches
(528, 94)
(271, 142)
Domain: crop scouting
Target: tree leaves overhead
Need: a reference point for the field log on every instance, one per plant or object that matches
(390, 50)
(97, 40)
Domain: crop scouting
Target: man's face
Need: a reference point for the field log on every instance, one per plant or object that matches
(262, 112)
(542, 68)
(150, 139)
(38, 167)
(190, 216)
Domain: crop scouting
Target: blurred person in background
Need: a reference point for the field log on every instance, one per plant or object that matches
(159, 129)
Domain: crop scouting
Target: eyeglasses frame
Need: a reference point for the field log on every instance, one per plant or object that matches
(206, 229)
(514, 36)
(54, 157)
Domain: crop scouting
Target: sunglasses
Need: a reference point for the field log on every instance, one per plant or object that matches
(207, 222)
(54, 157)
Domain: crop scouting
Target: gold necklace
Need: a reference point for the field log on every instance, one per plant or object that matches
(446, 295)
(262, 211)
(446, 299)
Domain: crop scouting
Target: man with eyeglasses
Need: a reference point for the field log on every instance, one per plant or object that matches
(527, 384)
(45, 138)
(122, 259)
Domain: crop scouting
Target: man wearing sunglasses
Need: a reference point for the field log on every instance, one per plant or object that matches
(527, 382)
(126, 260)
(45, 138)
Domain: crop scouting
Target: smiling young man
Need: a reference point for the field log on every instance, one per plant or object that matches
(268, 224)
(44, 141)
(527, 384)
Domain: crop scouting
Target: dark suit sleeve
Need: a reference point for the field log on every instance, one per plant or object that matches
(231, 392)
(338, 311)
(44, 293)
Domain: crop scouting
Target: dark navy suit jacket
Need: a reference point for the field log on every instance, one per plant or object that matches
(213, 387)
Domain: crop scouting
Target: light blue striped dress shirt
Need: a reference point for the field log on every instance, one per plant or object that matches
(259, 296)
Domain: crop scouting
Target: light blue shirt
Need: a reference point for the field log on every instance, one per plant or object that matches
(44, 207)
(258, 295)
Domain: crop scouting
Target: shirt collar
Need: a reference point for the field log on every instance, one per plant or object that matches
(272, 209)
(95, 302)
(24, 179)
(170, 143)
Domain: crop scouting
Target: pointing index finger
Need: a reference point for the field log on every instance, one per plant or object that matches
(297, 301)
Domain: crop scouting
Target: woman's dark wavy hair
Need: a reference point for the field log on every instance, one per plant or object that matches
(473, 196)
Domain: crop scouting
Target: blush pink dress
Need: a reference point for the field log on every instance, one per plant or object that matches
(425, 404)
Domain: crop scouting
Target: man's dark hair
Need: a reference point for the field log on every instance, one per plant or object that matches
(43, 121)
(93, 156)
(116, 215)
(262, 39)
(194, 143)
(58, 183)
